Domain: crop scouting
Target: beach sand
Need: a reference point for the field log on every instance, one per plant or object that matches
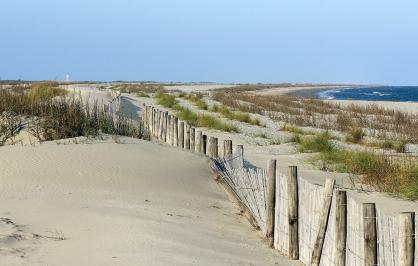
(119, 202)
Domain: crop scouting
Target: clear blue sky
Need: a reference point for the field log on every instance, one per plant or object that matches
(359, 41)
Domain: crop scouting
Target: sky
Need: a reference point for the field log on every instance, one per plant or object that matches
(333, 41)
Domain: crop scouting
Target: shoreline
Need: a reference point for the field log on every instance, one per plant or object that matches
(311, 92)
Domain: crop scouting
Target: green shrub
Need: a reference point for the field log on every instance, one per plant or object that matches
(292, 129)
(355, 135)
(43, 92)
(142, 94)
(295, 138)
(166, 100)
(318, 143)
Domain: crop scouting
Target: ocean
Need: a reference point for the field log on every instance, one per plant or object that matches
(375, 93)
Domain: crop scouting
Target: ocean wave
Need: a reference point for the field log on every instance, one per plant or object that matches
(378, 93)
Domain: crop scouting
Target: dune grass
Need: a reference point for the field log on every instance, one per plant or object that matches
(397, 176)
(355, 135)
(50, 118)
(234, 115)
(195, 119)
(44, 91)
(197, 100)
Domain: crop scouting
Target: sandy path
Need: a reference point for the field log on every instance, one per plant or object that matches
(135, 203)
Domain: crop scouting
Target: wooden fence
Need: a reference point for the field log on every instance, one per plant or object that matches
(318, 225)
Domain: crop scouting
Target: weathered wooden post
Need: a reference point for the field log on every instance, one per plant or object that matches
(181, 135)
(340, 227)
(156, 123)
(270, 200)
(161, 129)
(149, 120)
(370, 234)
(187, 136)
(175, 132)
(293, 212)
(165, 124)
(168, 133)
(199, 141)
(192, 139)
(152, 121)
(406, 242)
(213, 147)
(204, 144)
(227, 148)
(323, 222)
(240, 152)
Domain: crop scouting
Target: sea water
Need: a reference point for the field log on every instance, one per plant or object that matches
(375, 93)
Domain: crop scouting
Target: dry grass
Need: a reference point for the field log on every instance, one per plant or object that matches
(326, 115)
(139, 88)
(50, 118)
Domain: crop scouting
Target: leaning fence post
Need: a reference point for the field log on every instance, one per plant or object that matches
(227, 147)
(181, 135)
(370, 234)
(293, 216)
(192, 139)
(187, 136)
(270, 200)
(340, 227)
(406, 242)
(213, 147)
(323, 222)
(198, 144)
(204, 144)
(175, 132)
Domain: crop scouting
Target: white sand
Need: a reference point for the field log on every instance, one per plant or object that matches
(135, 203)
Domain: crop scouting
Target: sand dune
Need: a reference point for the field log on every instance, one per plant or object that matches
(125, 203)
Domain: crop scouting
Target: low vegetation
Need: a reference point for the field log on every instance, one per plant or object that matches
(355, 135)
(197, 100)
(139, 88)
(233, 115)
(195, 119)
(48, 114)
(306, 112)
(397, 176)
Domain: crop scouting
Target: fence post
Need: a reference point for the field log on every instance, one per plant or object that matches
(406, 242)
(181, 135)
(227, 147)
(370, 234)
(152, 121)
(175, 132)
(168, 139)
(204, 144)
(340, 227)
(187, 136)
(213, 147)
(166, 127)
(323, 222)
(199, 140)
(154, 127)
(161, 129)
(293, 212)
(270, 200)
(192, 139)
